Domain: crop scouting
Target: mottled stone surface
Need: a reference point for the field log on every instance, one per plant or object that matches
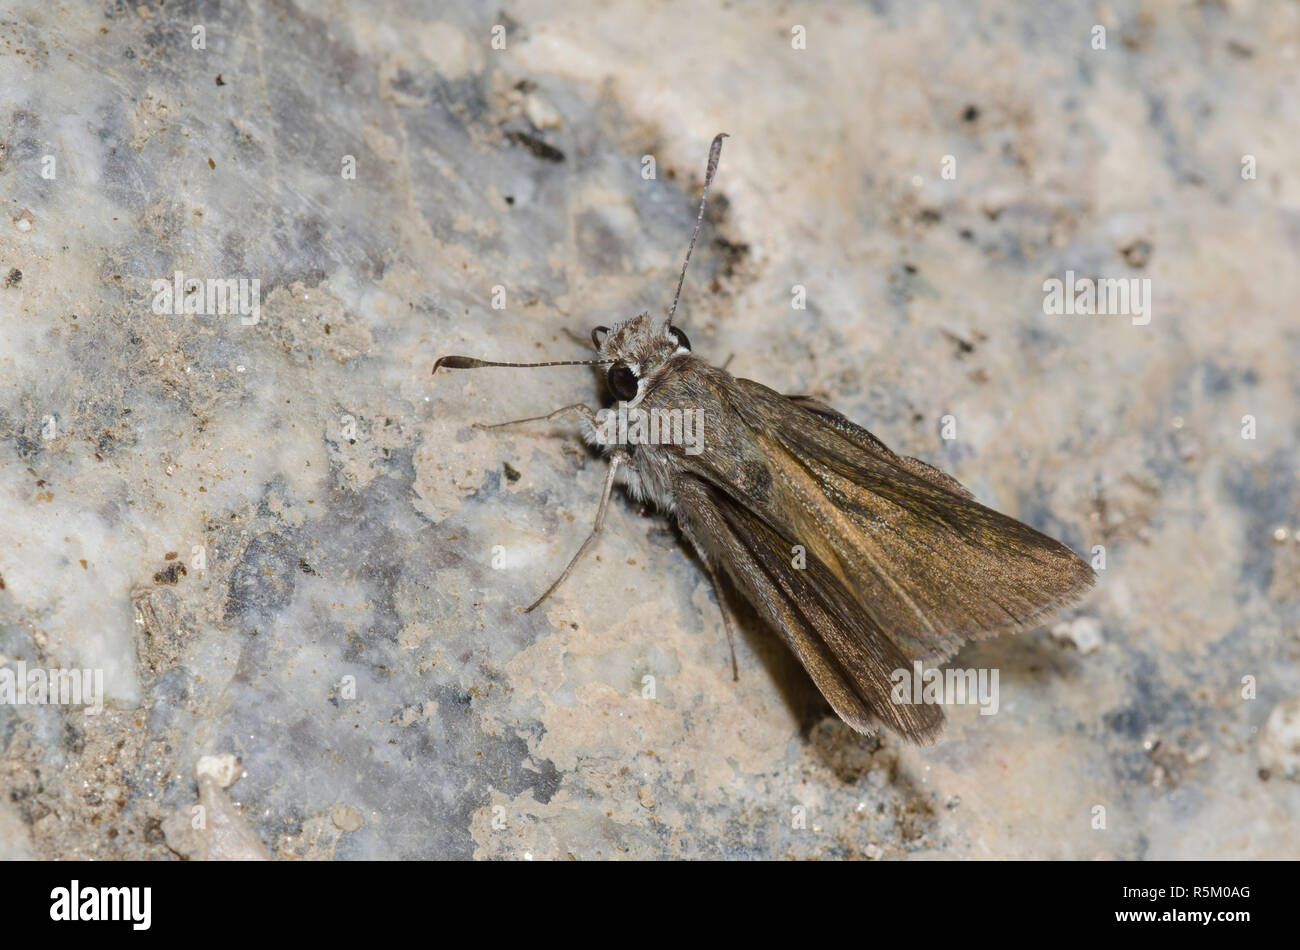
(277, 539)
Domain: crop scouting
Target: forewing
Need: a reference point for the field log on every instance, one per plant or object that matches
(928, 564)
(848, 656)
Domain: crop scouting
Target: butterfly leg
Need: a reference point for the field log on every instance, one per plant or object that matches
(717, 594)
(615, 459)
(577, 337)
(726, 623)
(583, 410)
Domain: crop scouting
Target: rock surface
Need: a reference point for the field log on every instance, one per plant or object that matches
(280, 538)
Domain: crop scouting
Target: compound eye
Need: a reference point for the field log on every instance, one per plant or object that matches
(680, 337)
(622, 382)
(598, 336)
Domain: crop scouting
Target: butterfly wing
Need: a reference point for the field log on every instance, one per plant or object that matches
(920, 556)
(863, 560)
(849, 658)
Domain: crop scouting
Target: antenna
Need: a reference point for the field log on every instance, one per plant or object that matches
(715, 150)
(469, 362)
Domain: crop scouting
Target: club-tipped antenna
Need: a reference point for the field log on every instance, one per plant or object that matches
(469, 362)
(715, 150)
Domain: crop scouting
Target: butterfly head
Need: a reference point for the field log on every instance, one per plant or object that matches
(641, 349)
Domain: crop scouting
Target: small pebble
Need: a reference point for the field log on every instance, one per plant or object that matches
(1083, 632)
(1279, 742)
(346, 818)
(541, 113)
(223, 768)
